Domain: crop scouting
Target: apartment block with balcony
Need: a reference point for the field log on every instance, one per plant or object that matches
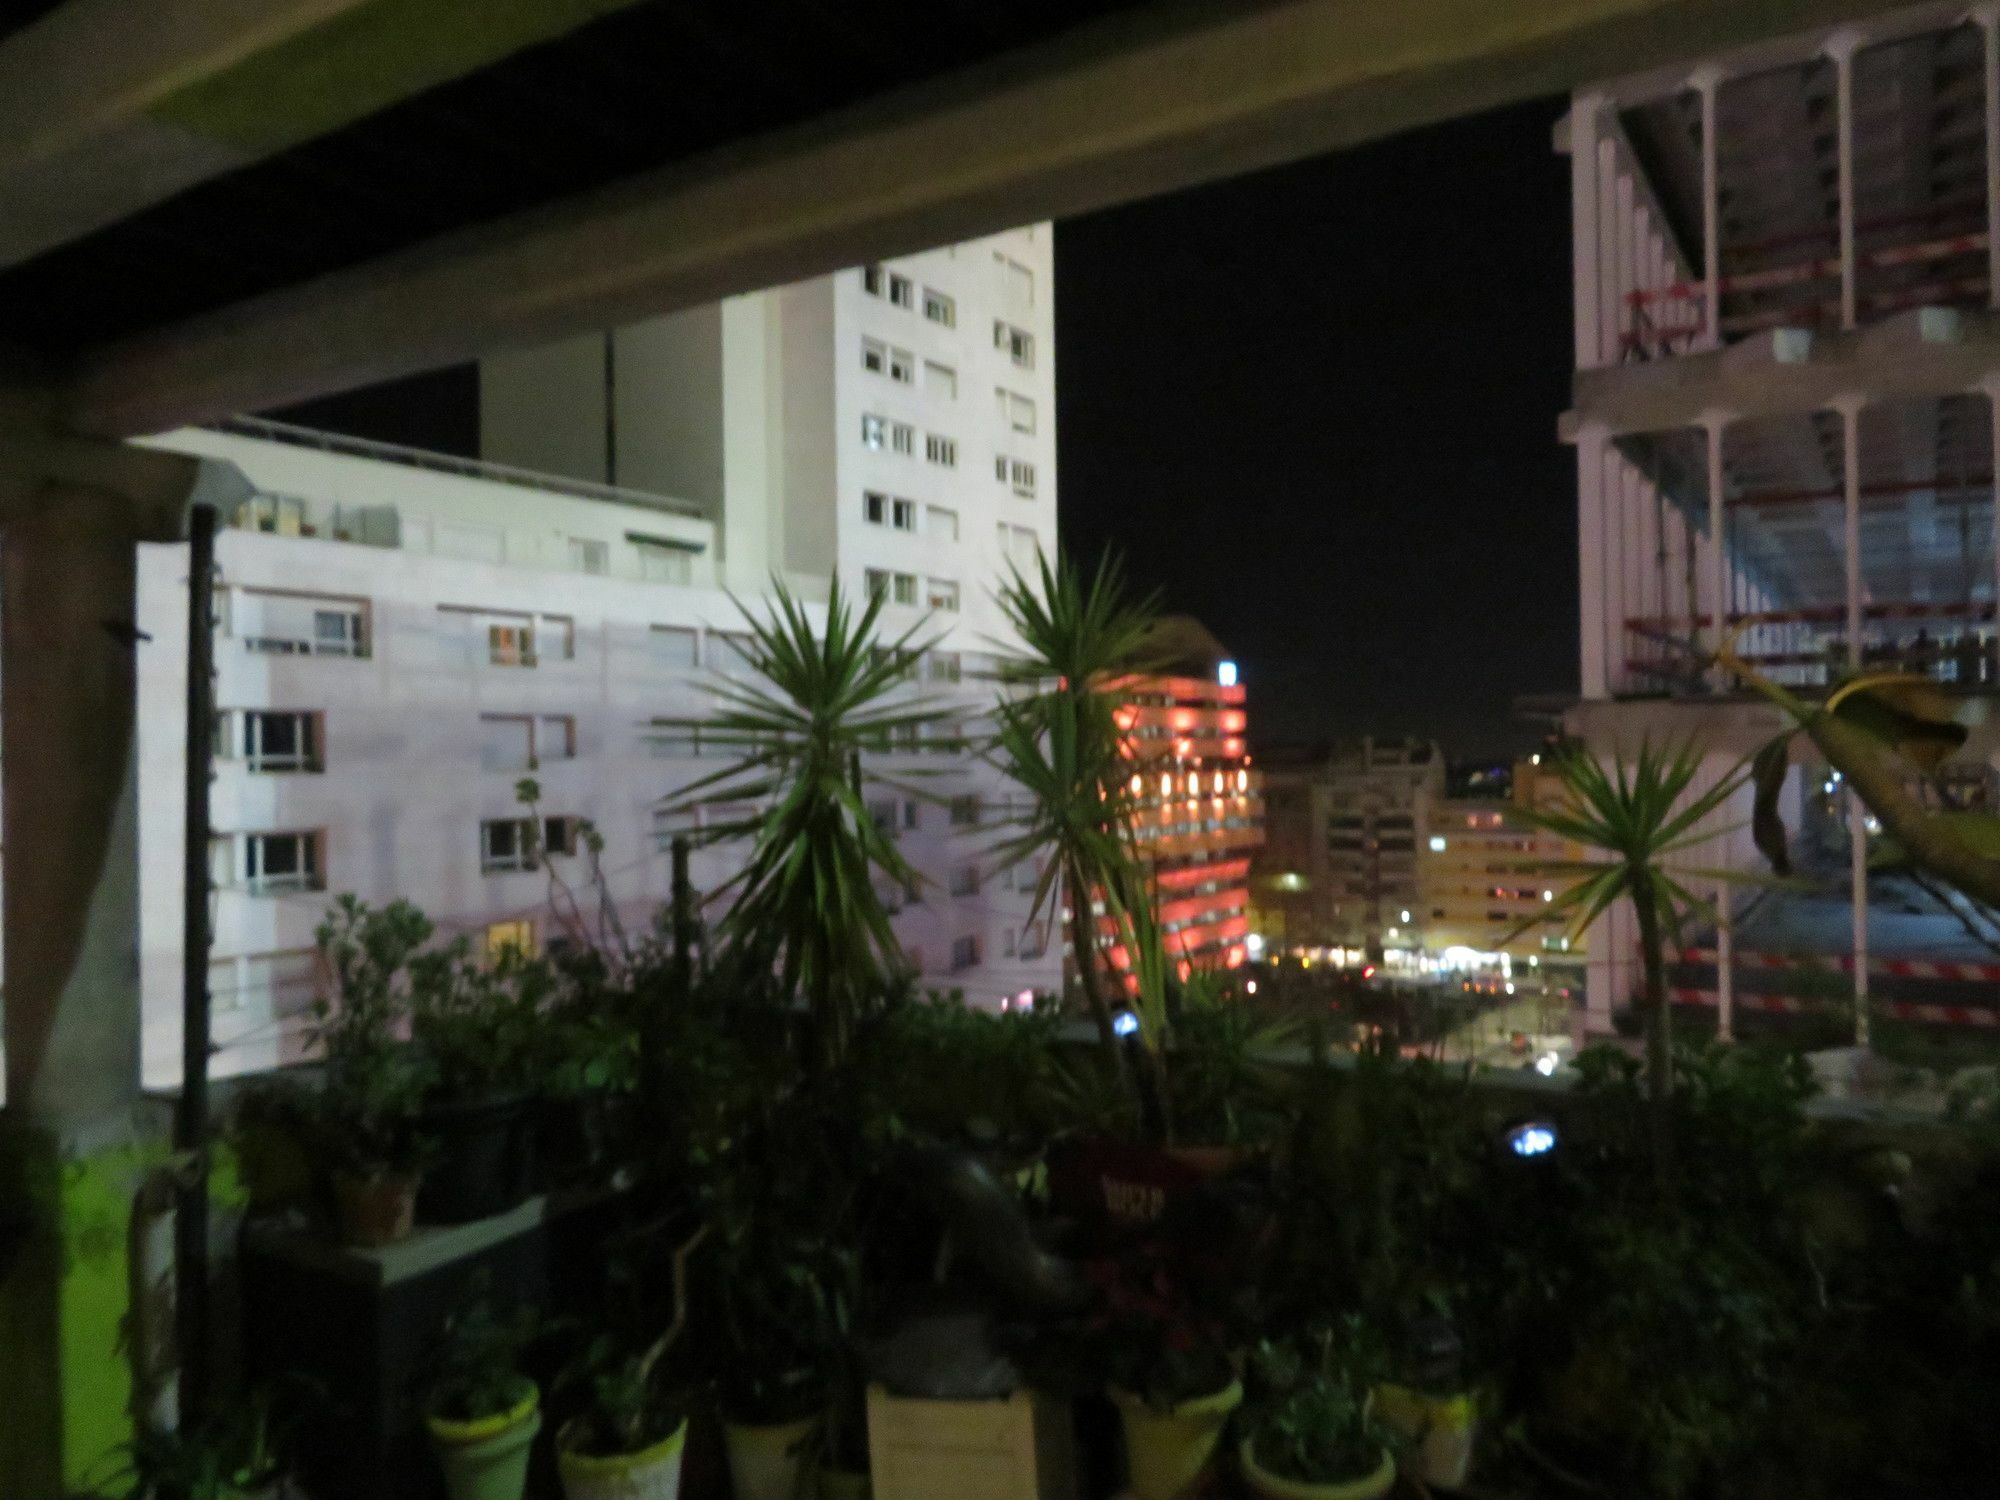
(1380, 797)
(1787, 389)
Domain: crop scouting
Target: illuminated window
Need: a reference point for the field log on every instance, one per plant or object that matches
(503, 938)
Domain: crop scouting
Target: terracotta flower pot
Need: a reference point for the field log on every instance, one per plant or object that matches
(375, 1210)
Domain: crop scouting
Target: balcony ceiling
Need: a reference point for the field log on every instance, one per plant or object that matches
(210, 206)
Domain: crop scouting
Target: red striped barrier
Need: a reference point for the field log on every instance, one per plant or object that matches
(1901, 1010)
(1892, 968)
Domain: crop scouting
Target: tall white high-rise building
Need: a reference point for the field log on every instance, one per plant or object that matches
(402, 638)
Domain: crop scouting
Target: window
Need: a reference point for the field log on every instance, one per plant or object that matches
(732, 653)
(1018, 473)
(939, 308)
(587, 555)
(279, 985)
(943, 594)
(874, 507)
(941, 666)
(281, 515)
(905, 590)
(873, 430)
(965, 811)
(903, 438)
(882, 510)
(1016, 410)
(1017, 282)
(675, 646)
(520, 742)
(662, 562)
(941, 521)
(902, 291)
(1018, 342)
(561, 835)
(274, 862)
(269, 739)
(900, 587)
(902, 367)
(1007, 943)
(505, 938)
(871, 280)
(909, 812)
(1019, 545)
(964, 953)
(511, 645)
(876, 581)
(941, 450)
(506, 844)
(940, 380)
(965, 881)
(279, 623)
(882, 813)
(874, 356)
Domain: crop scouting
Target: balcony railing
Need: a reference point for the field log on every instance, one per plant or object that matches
(1951, 642)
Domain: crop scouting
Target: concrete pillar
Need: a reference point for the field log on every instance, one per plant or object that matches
(1713, 425)
(72, 1144)
(1584, 130)
(1709, 82)
(1841, 48)
(1597, 631)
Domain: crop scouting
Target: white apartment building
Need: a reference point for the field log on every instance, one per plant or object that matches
(1787, 388)
(402, 637)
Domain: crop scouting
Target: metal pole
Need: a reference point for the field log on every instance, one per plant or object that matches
(1857, 828)
(191, 1301)
(1989, 23)
(683, 909)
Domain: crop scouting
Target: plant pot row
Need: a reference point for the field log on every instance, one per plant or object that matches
(488, 1459)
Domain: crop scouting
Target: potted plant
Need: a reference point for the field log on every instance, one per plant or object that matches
(626, 1441)
(586, 1066)
(1311, 1434)
(483, 1412)
(475, 1027)
(371, 1080)
(1429, 1404)
(236, 1455)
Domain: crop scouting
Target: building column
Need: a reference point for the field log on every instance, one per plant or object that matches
(1713, 424)
(73, 1143)
(1709, 82)
(1992, 389)
(1599, 634)
(1584, 131)
(1841, 48)
(1988, 17)
(1857, 829)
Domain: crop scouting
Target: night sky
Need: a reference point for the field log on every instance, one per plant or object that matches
(1316, 408)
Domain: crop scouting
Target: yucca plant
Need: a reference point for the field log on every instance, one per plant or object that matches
(1636, 818)
(806, 893)
(1077, 642)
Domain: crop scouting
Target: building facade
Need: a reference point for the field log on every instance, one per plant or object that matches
(1291, 903)
(1380, 799)
(1199, 814)
(1787, 387)
(403, 638)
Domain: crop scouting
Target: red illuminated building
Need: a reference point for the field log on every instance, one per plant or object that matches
(1200, 808)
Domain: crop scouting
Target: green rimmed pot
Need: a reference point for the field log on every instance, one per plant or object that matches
(486, 1458)
(650, 1474)
(1271, 1486)
(765, 1459)
(1168, 1451)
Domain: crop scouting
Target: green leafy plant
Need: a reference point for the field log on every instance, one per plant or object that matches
(1638, 817)
(238, 1451)
(478, 1368)
(373, 1083)
(806, 894)
(1309, 1421)
(1058, 738)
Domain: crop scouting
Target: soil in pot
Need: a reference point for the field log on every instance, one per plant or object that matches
(480, 1167)
(1166, 1452)
(487, 1458)
(374, 1211)
(1271, 1486)
(764, 1461)
(651, 1474)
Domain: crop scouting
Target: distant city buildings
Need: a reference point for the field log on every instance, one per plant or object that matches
(404, 637)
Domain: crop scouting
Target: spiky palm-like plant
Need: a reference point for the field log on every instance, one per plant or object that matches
(1058, 737)
(806, 894)
(1636, 818)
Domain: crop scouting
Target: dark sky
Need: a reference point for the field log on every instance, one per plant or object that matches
(1317, 408)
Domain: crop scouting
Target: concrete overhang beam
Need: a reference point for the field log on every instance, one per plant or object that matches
(1153, 101)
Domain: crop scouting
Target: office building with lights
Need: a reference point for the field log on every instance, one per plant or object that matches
(1199, 799)
(1787, 277)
